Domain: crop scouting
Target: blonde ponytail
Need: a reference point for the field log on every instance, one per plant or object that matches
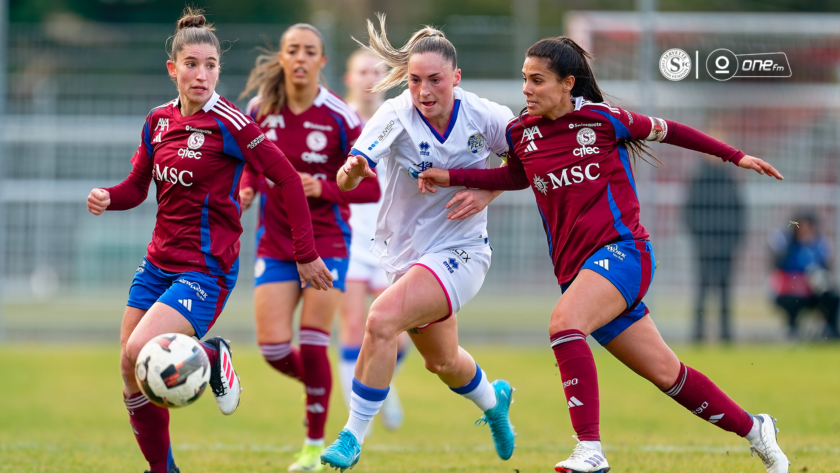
(424, 41)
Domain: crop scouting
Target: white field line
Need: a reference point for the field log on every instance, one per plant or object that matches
(722, 449)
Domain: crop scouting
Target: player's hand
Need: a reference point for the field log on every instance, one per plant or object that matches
(469, 202)
(760, 166)
(311, 186)
(246, 197)
(357, 166)
(315, 274)
(428, 179)
(98, 200)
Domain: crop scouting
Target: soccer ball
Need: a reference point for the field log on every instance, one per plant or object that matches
(172, 370)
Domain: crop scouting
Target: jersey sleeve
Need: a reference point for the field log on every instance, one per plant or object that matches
(506, 178)
(133, 190)
(379, 134)
(641, 127)
(368, 191)
(497, 122)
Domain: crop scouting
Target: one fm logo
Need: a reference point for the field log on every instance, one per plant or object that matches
(722, 65)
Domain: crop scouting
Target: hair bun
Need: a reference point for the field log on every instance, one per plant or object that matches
(192, 21)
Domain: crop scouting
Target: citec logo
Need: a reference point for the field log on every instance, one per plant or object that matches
(188, 153)
(173, 176)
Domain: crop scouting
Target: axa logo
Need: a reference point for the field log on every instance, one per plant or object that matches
(173, 176)
(188, 153)
(530, 134)
(273, 121)
(578, 175)
(162, 125)
(424, 148)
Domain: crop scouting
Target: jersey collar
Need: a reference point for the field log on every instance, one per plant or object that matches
(211, 103)
(322, 96)
(452, 118)
(578, 102)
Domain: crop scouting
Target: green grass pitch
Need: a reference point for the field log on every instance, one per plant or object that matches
(61, 411)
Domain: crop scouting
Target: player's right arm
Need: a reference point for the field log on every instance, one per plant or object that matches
(372, 146)
(133, 190)
(506, 178)
(248, 186)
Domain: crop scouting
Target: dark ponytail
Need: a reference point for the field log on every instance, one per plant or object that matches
(566, 58)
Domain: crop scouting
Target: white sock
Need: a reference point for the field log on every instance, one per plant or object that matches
(347, 370)
(363, 410)
(754, 431)
(480, 391)
(316, 442)
(593, 444)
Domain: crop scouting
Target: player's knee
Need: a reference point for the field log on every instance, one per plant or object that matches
(126, 365)
(131, 350)
(559, 322)
(440, 365)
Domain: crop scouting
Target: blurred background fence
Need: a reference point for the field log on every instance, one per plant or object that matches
(78, 92)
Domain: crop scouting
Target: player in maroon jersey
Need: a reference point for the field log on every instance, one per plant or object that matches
(195, 147)
(316, 130)
(574, 149)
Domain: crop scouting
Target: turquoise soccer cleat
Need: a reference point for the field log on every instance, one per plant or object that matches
(499, 419)
(344, 453)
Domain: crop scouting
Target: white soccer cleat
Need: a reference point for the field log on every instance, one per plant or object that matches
(391, 413)
(223, 378)
(766, 446)
(584, 459)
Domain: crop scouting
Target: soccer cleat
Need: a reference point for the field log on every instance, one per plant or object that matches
(584, 459)
(499, 419)
(308, 459)
(391, 413)
(223, 378)
(173, 468)
(766, 446)
(344, 453)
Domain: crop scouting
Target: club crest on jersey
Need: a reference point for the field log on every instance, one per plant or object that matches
(586, 136)
(540, 184)
(424, 148)
(195, 140)
(415, 169)
(476, 143)
(316, 140)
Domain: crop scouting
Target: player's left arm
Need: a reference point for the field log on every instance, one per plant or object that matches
(668, 131)
(366, 192)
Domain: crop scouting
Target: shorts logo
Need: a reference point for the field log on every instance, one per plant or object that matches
(259, 268)
(195, 287)
(451, 265)
(334, 274)
(424, 148)
(316, 140)
(586, 136)
(675, 64)
(195, 140)
(604, 263)
(476, 143)
(615, 251)
(461, 255)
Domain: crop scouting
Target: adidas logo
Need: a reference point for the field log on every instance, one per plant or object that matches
(532, 146)
(715, 418)
(316, 408)
(573, 402)
(186, 303)
(604, 263)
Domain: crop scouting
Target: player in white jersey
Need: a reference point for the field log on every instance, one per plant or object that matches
(435, 264)
(364, 276)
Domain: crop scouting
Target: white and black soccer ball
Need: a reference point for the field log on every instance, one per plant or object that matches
(172, 370)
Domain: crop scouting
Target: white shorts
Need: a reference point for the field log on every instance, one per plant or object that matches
(367, 270)
(460, 272)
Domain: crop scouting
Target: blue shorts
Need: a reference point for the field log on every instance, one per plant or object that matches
(267, 270)
(199, 297)
(629, 265)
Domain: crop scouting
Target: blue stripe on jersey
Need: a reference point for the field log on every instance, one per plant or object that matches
(239, 166)
(261, 228)
(509, 138)
(449, 127)
(620, 227)
(625, 160)
(147, 140)
(209, 259)
(356, 152)
(342, 134)
(621, 131)
(345, 229)
(231, 148)
(547, 233)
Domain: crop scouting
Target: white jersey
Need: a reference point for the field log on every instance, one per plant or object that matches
(363, 223)
(411, 224)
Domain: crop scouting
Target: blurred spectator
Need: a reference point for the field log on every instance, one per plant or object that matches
(802, 279)
(715, 217)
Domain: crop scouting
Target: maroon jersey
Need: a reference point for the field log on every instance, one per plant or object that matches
(196, 162)
(581, 175)
(316, 142)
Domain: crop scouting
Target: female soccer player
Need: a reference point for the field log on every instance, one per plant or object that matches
(195, 147)
(572, 147)
(315, 129)
(435, 266)
(364, 276)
